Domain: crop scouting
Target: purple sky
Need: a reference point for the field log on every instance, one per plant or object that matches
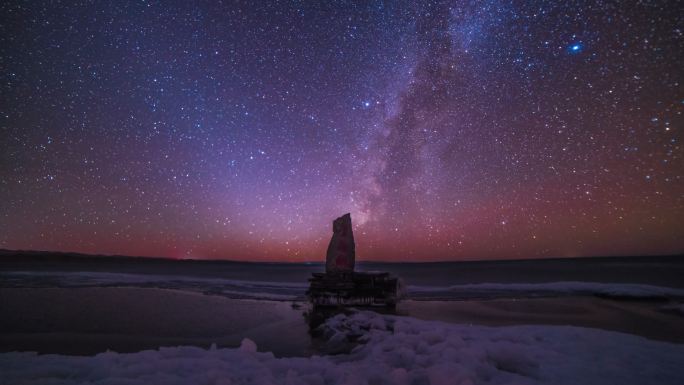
(240, 130)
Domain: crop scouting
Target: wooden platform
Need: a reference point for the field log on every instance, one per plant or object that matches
(352, 289)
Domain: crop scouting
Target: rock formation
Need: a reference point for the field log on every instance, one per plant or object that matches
(340, 285)
(341, 250)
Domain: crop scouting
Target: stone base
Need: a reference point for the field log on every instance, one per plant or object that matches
(353, 289)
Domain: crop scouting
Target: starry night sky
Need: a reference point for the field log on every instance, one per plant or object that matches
(240, 130)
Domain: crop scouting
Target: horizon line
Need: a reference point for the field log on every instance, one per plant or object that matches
(4, 252)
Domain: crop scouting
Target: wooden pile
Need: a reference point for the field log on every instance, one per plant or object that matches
(353, 289)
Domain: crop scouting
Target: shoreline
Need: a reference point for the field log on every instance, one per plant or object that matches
(646, 318)
(85, 321)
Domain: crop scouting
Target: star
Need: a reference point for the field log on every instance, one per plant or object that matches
(576, 48)
(441, 117)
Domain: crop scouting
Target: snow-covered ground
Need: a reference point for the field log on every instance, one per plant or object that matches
(394, 350)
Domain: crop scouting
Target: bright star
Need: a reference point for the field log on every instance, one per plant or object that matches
(575, 48)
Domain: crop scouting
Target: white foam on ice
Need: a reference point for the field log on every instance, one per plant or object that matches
(284, 291)
(627, 290)
(229, 287)
(396, 350)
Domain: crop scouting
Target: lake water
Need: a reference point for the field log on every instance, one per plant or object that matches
(634, 276)
(80, 305)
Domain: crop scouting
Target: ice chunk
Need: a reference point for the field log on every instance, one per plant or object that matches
(248, 346)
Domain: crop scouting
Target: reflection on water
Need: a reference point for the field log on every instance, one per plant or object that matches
(87, 321)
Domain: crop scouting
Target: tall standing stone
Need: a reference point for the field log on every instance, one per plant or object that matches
(341, 250)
